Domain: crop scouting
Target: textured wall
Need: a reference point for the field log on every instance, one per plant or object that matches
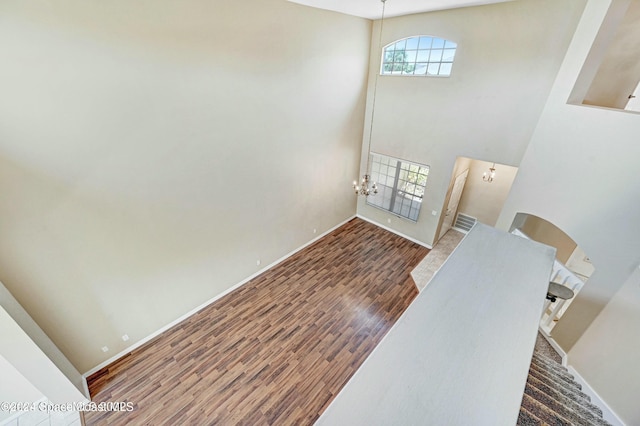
(151, 152)
(507, 59)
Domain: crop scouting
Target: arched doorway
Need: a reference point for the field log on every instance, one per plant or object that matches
(572, 267)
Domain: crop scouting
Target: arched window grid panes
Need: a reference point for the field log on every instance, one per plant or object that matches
(419, 56)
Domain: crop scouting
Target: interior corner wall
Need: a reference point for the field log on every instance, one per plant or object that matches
(153, 152)
(559, 180)
(32, 365)
(33, 332)
(14, 387)
(507, 57)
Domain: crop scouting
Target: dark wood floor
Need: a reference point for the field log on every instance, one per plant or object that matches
(276, 350)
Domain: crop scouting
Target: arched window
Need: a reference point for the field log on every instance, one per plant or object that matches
(419, 55)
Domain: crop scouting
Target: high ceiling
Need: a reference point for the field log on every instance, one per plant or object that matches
(372, 9)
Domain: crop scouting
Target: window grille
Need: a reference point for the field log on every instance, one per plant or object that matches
(419, 55)
(401, 185)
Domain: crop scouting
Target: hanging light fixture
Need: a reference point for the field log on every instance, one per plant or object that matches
(363, 188)
(489, 176)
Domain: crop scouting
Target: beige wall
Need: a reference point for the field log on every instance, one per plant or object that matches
(559, 180)
(484, 200)
(547, 233)
(507, 58)
(152, 152)
(612, 364)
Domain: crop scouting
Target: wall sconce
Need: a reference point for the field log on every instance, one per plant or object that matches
(490, 175)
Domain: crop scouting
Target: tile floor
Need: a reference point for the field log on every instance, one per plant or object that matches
(425, 270)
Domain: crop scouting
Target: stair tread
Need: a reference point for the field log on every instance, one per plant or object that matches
(557, 368)
(543, 413)
(545, 357)
(566, 408)
(560, 386)
(557, 394)
(550, 375)
(560, 370)
(552, 396)
(526, 418)
(549, 361)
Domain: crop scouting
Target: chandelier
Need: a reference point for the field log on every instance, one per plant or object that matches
(363, 188)
(366, 187)
(488, 176)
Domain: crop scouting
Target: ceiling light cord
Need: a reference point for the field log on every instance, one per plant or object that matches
(363, 188)
(375, 86)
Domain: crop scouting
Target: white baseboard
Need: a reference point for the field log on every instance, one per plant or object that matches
(607, 413)
(202, 306)
(423, 244)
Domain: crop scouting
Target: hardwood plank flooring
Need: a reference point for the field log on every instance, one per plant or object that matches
(276, 350)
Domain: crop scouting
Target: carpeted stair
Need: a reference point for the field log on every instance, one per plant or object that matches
(552, 397)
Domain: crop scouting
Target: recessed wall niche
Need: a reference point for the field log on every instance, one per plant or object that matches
(611, 73)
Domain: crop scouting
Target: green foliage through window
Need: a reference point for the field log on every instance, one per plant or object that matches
(401, 185)
(419, 55)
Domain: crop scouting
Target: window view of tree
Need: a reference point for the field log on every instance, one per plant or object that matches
(414, 181)
(401, 185)
(396, 61)
(419, 55)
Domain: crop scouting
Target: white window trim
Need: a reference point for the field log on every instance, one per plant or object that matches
(382, 56)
